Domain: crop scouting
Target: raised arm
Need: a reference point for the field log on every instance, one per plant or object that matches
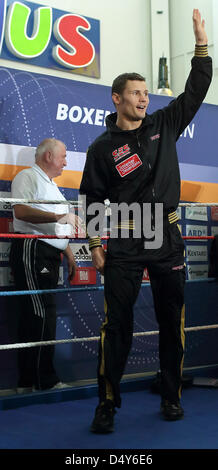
(199, 28)
(182, 110)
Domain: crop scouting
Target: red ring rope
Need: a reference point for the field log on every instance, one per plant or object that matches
(22, 235)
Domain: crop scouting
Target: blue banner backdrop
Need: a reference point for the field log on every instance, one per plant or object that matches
(35, 106)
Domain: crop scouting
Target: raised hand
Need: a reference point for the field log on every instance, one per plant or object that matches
(199, 29)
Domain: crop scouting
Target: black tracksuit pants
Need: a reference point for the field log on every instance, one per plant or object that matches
(35, 265)
(123, 278)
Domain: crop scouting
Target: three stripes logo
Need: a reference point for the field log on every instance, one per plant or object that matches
(81, 251)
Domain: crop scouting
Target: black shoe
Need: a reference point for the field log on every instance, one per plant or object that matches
(103, 421)
(171, 411)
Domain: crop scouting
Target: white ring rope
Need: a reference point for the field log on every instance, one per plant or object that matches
(198, 204)
(4, 347)
(76, 203)
(38, 201)
(92, 338)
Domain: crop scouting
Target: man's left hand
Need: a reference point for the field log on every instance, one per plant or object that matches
(71, 263)
(71, 268)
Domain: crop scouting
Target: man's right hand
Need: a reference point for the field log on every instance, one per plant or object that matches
(98, 258)
(199, 30)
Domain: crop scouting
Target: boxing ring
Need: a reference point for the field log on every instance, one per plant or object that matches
(132, 386)
(82, 289)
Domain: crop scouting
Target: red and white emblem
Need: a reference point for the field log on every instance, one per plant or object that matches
(121, 152)
(129, 165)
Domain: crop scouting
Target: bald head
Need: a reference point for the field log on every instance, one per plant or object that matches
(47, 145)
(50, 155)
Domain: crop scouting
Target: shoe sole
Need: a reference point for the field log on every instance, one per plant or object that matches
(172, 418)
(24, 391)
(99, 430)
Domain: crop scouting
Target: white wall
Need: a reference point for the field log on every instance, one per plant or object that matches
(126, 39)
(160, 40)
(182, 42)
(124, 35)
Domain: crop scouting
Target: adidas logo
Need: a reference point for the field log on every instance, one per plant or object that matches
(83, 254)
(44, 271)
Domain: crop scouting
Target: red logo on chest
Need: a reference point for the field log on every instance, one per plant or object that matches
(121, 152)
(129, 165)
(155, 137)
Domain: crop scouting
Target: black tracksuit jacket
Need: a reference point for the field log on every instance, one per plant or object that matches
(142, 165)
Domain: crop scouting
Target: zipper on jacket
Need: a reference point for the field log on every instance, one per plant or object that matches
(153, 193)
(138, 143)
(152, 222)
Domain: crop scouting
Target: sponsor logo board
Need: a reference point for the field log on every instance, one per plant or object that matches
(214, 213)
(196, 231)
(196, 253)
(5, 251)
(197, 271)
(81, 251)
(84, 275)
(179, 212)
(5, 206)
(214, 230)
(196, 213)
